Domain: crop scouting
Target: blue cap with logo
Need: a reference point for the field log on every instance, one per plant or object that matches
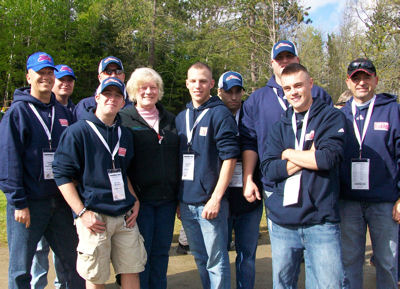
(109, 59)
(283, 45)
(64, 70)
(39, 60)
(112, 81)
(230, 79)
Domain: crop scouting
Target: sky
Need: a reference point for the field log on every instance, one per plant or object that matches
(326, 15)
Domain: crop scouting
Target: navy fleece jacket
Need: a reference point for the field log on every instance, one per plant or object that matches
(382, 146)
(22, 143)
(81, 156)
(214, 140)
(260, 111)
(319, 190)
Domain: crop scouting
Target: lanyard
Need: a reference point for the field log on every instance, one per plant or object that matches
(104, 141)
(46, 129)
(189, 132)
(360, 139)
(299, 146)
(281, 102)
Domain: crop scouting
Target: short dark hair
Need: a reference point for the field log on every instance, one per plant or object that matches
(201, 65)
(294, 68)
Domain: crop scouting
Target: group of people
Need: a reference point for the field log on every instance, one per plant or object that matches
(101, 182)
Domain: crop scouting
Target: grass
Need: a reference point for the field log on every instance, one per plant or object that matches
(3, 226)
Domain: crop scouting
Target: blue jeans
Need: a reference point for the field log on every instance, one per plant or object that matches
(321, 247)
(51, 218)
(247, 228)
(156, 224)
(355, 217)
(207, 241)
(40, 267)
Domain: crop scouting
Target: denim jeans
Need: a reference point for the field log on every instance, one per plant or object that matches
(247, 228)
(40, 267)
(321, 247)
(207, 241)
(355, 217)
(156, 224)
(51, 218)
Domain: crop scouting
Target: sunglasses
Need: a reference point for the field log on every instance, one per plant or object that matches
(361, 65)
(111, 71)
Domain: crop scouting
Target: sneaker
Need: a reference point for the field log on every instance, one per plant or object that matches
(182, 249)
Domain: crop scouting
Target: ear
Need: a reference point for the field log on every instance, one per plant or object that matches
(348, 79)
(28, 77)
(187, 83)
(97, 97)
(212, 83)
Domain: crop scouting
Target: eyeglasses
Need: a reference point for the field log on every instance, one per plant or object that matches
(368, 65)
(111, 71)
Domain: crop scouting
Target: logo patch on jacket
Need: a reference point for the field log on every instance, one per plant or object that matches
(63, 121)
(203, 131)
(122, 152)
(381, 125)
(310, 135)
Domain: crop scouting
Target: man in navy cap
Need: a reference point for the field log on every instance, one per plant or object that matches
(370, 178)
(244, 217)
(63, 89)
(109, 66)
(35, 208)
(95, 153)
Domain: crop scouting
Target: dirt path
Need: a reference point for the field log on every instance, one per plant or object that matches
(182, 271)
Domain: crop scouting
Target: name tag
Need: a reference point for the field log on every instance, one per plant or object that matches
(360, 174)
(292, 190)
(237, 178)
(188, 167)
(48, 158)
(117, 184)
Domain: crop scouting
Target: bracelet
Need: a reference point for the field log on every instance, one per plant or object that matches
(82, 212)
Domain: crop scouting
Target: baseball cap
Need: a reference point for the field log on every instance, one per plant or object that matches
(283, 45)
(64, 70)
(112, 81)
(39, 60)
(230, 79)
(109, 59)
(361, 64)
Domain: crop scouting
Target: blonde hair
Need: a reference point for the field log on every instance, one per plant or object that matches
(140, 76)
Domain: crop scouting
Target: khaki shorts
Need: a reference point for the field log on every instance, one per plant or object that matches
(123, 246)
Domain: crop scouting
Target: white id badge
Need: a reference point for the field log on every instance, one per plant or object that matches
(188, 167)
(237, 178)
(360, 174)
(48, 158)
(292, 190)
(117, 184)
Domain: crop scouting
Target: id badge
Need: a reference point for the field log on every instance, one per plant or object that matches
(237, 178)
(188, 167)
(48, 158)
(360, 174)
(117, 184)
(292, 190)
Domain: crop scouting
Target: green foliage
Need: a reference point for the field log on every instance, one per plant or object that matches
(3, 221)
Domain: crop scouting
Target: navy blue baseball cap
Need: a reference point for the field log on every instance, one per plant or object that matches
(39, 60)
(230, 79)
(112, 81)
(64, 70)
(283, 45)
(109, 59)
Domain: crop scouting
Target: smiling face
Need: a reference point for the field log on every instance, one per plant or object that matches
(199, 83)
(109, 102)
(41, 82)
(362, 85)
(147, 95)
(64, 86)
(297, 87)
